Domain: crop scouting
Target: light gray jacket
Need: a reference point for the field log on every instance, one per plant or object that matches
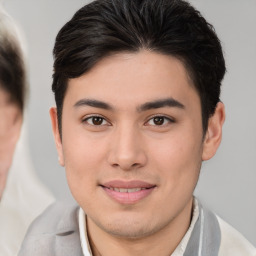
(56, 233)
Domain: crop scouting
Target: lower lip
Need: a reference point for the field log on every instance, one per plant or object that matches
(128, 198)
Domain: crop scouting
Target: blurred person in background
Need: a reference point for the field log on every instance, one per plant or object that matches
(22, 196)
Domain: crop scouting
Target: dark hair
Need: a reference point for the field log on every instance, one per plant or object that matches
(170, 27)
(12, 68)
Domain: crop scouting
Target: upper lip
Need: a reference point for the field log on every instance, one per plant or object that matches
(127, 184)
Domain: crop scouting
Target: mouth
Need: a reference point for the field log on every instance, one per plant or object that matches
(129, 192)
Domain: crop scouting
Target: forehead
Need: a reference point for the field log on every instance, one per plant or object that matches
(133, 77)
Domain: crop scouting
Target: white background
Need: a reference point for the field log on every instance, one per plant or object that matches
(227, 182)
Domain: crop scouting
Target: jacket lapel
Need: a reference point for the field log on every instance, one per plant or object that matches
(206, 235)
(67, 238)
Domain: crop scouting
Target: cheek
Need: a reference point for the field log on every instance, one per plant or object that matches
(83, 158)
(8, 140)
(178, 158)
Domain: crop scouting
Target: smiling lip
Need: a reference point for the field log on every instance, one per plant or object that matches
(128, 192)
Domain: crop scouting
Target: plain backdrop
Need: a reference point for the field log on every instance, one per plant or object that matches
(227, 182)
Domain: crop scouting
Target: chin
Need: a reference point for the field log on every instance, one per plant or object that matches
(128, 227)
(129, 231)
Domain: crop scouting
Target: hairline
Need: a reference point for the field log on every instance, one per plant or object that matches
(189, 76)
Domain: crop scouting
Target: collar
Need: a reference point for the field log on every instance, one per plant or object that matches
(86, 248)
(206, 235)
(66, 232)
(202, 237)
(179, 251)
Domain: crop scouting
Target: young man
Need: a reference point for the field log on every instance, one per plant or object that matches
(137, 86)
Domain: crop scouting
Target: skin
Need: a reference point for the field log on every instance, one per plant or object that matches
(125, 142)
(10, 126)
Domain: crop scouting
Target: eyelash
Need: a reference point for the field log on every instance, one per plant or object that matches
(161, 118)
(103, 119)
(166, 120)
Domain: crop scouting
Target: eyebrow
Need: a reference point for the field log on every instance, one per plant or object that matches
(93, 103)
(168, 102)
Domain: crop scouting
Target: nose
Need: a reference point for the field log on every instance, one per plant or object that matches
(127, 150)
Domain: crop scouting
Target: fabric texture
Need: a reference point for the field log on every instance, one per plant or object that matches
(56, 232)
(206, 235)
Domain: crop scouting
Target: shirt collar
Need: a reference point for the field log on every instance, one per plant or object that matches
(179, 251)
(83, 233)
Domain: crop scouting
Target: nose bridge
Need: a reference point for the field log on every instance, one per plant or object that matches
(127, 147)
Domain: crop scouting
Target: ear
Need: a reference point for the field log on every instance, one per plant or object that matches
(214, 132)
(56, 134)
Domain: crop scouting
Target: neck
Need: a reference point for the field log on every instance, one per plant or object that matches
(161, 243)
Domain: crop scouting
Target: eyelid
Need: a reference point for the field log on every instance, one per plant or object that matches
(85, 118)
(170, 119)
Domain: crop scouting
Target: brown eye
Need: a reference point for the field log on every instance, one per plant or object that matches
(96, 121)
(158, 120)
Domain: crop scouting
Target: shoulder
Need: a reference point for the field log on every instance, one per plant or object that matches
(232, 242)
(58, 220)
(51, 220)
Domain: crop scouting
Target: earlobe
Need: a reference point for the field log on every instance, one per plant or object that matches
(214, 132)
(56, 134)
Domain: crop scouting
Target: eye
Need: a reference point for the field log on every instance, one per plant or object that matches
(159, 121)
(96, 121)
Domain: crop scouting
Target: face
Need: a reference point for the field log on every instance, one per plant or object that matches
(10, 125)
(132, 142)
